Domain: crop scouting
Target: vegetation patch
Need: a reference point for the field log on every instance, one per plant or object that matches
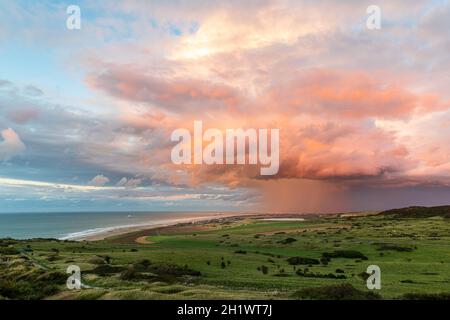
(308, 274)
(348, 254)
(394, 247)
(335, 292)
(427, 296)
(418, 212)
(287, 241)
(302, 261)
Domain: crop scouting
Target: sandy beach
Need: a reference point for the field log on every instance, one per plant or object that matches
(121, 230)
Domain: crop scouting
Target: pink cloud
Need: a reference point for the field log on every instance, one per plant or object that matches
(11, 145)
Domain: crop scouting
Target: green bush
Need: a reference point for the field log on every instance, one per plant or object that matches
(287, 241)
(302, 261)
(97, 260)
(348, 254)
(104, 270)
(264, 269)
(10, 250)
(393, 247)
(427, 296)
(307, 274)
(335, 292)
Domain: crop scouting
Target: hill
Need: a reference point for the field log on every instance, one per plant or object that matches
(418, 212)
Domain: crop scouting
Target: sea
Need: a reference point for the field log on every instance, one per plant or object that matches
(76, 225)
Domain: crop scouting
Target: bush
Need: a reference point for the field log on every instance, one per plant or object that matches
(307, 274)
(335, 292)
(287, 241)
(53, 277)
(33, 286)
(427, 296)
(130, 274)
(241, 251)
(104, 270)
(97, 260)
(302, 261)
(348, 254)
(264, 269)
(142, 265)
(10, 250)
(393, 247)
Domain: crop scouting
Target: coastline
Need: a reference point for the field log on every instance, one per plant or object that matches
(104, 233)
(219, 217)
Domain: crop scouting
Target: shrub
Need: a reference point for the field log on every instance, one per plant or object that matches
(97, 260)
(264, 269)
(335, 292)
(142, 265)
(241, 251)
(130, 274)
(349, 254)
(302, 261)
(427, 296)
(305, 273)
(287, 241)
(104, 270)
(407, 281)
(394, 247)
(10, 250)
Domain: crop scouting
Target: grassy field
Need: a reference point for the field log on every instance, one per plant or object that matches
(319, 258)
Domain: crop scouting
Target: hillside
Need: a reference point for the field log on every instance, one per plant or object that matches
(418, 212)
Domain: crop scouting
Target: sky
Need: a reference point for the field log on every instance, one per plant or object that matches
(86, 115)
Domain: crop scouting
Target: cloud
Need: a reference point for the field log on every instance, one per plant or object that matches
(355, 108)
(352, 95)
(11, 145)
(124, 182)
(176, 95)
(99, 181)
(32, 91)
(23, 115)
(328, 121)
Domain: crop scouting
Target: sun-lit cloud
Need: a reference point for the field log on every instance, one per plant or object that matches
(11, 145)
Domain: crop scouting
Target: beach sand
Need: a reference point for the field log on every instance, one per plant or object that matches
(113, 232)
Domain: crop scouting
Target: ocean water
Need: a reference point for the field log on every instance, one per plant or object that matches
(73, 225)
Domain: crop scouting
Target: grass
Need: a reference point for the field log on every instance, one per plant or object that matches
(413, 254)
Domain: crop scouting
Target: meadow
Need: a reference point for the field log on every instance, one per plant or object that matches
(243, 258)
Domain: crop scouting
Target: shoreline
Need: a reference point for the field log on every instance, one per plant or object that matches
(219, 217)
(105, 233)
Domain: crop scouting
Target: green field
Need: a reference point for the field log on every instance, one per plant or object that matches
(241, 259)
